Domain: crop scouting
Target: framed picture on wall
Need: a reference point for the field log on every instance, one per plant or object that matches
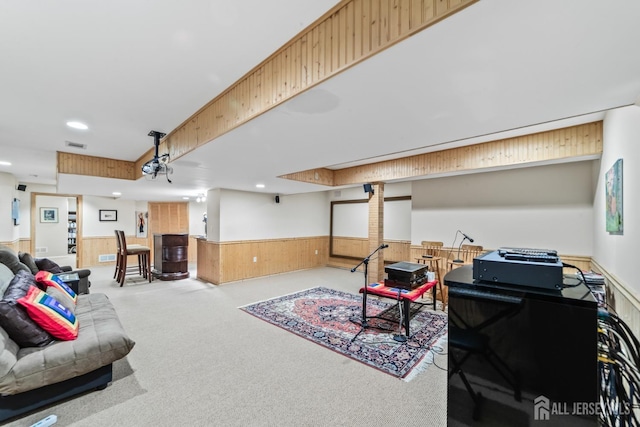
(141, 223)
(48, 214)
(15, 211)
(613, 195)
(108, 215)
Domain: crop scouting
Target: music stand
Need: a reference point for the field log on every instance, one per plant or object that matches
(364, 324)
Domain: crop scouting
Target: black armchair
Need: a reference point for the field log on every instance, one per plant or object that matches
(45, 264)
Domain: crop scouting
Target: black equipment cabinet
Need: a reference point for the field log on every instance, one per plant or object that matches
(530, 353)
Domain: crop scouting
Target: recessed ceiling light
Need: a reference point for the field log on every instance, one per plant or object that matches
(4, 163)
(185, 198)
(77, 125)
(117, 193)
(259, 185)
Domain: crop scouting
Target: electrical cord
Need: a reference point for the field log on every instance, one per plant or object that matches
(584, 280)
(618, 366)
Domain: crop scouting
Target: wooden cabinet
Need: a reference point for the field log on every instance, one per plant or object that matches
(171, 256)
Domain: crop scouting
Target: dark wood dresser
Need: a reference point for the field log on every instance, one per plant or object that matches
(171, 256)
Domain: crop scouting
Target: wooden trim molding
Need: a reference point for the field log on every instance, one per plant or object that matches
(78, 164)
(581, 141)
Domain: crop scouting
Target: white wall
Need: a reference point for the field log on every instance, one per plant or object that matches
(540, 207)
(25, 206)
(256, 216)
(196, 211)
(52, 237)
(616, 253)
(93, 227)
(8, 232)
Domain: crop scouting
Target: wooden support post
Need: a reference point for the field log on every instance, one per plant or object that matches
(376, 232)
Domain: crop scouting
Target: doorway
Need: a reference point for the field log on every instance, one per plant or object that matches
(56, 228)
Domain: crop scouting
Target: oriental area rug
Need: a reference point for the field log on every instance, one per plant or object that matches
(331, 318)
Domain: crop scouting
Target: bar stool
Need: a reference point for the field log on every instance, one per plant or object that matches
(431, 256)
(142, 252)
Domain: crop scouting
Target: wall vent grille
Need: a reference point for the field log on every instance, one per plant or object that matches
(106, 257)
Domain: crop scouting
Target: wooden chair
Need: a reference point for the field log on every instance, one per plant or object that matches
(432, 255)
(466, 255)
(142, 252)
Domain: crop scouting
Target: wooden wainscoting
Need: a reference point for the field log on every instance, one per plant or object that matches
(231, 261)
(208, 261)
(93, 247)
(15, 245)
(348, 251)
(623, 301)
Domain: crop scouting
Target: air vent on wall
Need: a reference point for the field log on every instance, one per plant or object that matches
(106, 257)
(75, 145)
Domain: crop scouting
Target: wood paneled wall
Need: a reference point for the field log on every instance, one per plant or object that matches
(93, 247)
(78, 164)
(231, 261)
(168, 217)
(575, 141)
(356, 248)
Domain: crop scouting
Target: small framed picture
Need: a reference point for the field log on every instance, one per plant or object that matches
(108, 215)
(48, 214)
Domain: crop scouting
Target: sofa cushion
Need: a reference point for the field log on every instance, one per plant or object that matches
(28, 260)
(62, 298)
(101, 341)
(20, 327)
(5, 278)
(19, 286)
(10, 259)
(52, 316)
(48, 280)
(47, 265)
(14, 318)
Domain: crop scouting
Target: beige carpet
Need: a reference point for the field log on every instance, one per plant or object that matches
(200, 361)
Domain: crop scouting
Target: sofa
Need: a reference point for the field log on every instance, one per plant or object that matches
(45, 264)
(38, 368)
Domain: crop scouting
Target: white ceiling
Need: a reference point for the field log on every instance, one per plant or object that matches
(498, 68)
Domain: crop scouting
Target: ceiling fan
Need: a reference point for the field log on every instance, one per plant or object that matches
(159, 165)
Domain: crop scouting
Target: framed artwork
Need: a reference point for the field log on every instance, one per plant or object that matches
(141, 223)
(48, 214)
(613, 189)
(108, 215)
(15, 211)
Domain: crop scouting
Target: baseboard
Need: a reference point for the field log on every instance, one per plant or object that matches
(624, 301)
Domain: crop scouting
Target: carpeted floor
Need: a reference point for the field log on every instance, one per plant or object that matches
(330, 318)
(199, 361)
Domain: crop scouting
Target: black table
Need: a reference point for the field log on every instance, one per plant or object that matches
(71, 279)
(544, 343)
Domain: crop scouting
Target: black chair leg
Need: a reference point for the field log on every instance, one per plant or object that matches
(476, 397)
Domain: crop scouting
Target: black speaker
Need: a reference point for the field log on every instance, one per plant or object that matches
(22, 187)
(368, 188)
(277, 199)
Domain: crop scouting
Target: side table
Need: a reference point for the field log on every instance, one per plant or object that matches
(71, 279)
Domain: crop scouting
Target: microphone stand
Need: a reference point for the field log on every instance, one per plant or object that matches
(458, 260)
(364, 324)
